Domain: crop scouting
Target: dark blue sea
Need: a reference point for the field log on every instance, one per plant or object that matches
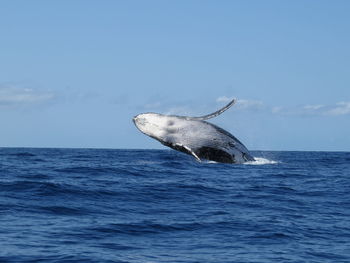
(95, 205)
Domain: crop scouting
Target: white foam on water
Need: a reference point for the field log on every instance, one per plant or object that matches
(258, 161)
(261, 161)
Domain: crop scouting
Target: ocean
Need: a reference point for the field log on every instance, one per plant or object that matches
(150, 206)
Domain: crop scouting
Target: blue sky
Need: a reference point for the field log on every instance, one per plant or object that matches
(74, 73)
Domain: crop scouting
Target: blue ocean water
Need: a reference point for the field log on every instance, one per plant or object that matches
(94, 205)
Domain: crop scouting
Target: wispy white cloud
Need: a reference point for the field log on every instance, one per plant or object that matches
(341, 108)
(224, 99)
(17, 96)
(243, 104)
(250, 104)
(313, 107)
(337, 109)
(277, 109)
(317, 109)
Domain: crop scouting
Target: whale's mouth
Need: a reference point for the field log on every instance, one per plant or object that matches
(135, 119)
(142, 124)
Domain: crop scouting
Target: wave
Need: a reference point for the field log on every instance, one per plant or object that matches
(139, 206)
(22, 154)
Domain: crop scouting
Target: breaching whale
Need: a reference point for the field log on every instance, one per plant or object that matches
(194, 136)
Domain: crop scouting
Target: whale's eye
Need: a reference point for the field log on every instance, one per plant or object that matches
(170, 123)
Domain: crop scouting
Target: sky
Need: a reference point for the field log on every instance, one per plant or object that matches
(74, 73)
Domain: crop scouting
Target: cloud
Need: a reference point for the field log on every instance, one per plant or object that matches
(224, 99)
(16, 96)
(243, 104)
(341, 108)
(250, 104)
(317, 109)
(277, 109)
(337, 109)
(313, 107)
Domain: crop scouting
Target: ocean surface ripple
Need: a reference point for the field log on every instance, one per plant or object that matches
(95, 205)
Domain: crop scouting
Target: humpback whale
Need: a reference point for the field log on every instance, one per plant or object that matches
(194, 136)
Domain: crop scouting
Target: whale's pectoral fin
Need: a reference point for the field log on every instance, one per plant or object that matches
(184, 148)
(214, 114)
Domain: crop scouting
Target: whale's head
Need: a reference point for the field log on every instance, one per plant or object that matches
(154, 125)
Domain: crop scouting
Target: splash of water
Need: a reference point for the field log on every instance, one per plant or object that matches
(261, 161)
(258, 161)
